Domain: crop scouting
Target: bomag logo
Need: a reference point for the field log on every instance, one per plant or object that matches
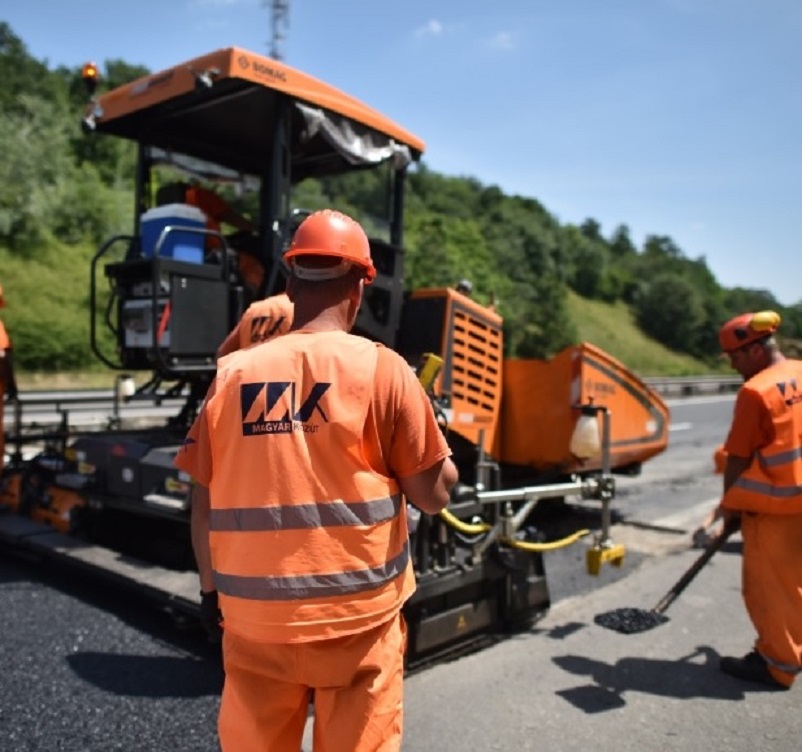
(270, 407)
(269, 71)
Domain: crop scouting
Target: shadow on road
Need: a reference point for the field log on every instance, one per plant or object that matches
(694, 675)
(149, 676)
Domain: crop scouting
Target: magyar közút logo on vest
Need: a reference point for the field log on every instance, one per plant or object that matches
(269, 407)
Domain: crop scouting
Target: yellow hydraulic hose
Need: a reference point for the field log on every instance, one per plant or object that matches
(469, 528)
(550, 545)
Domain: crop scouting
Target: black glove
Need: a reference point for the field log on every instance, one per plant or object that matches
(210, 616)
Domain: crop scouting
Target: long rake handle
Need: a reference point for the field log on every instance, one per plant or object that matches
(729, 528)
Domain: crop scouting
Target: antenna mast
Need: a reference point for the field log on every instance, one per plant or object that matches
(279, 22)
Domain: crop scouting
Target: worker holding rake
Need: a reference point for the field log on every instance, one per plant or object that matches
(763, 488)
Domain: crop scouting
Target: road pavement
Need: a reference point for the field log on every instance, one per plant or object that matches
(89, 669)
(86, 668)
(570, 685)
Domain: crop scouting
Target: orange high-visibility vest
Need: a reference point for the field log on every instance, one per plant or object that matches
(772, 484)
(307, 540)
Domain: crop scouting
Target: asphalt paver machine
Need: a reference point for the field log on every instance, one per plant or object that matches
(164, 296)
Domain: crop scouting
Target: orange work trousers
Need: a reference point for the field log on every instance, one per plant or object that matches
(356, 683)
(772, 589)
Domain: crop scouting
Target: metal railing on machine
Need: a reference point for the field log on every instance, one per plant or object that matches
(40, 419)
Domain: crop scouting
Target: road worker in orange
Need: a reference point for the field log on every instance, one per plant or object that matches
(303, 455)
(262, 320)
(763, 488)
(8, 381)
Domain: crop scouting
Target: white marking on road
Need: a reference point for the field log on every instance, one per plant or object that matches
(710, 400)
(688, 519)
(680, 426)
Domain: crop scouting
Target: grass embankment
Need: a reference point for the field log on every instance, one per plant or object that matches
(610, 327)
(613, 329)
(102, 379)
(47, 292)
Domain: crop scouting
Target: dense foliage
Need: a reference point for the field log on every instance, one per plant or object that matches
(62, 193)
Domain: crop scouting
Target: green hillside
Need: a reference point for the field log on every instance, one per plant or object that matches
(64, 191)
(612, 328)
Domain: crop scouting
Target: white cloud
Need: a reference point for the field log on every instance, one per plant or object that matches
(432, 28)
(502, 40)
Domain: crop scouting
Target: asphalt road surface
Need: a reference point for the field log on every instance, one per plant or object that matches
(88, 668)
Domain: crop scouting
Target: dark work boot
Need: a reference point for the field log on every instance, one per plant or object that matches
(752, 667)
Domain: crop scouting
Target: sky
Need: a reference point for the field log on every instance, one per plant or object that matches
(680, 118)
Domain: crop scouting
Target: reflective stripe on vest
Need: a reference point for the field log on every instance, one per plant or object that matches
(311, 586)
(778, 492)
(305, 516)
(783, 458)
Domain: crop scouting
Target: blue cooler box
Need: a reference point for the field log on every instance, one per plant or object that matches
(183, 246)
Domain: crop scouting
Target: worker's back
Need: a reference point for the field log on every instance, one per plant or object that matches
(327, 507)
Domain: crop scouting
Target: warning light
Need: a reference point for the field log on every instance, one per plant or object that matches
(90, 74)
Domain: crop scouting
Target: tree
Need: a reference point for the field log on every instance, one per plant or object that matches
(36, 157)
(584, 260)
(739, 300)
(621, 246)
(22, 76)
(524, 242)
(792, 321)
(591, 229)
(671, 310)
(662, 249)
(441, 250)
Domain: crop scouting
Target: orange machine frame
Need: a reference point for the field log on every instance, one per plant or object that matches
(540, 410)
(237, 63)
(470, 381)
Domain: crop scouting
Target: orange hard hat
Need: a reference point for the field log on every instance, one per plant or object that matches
(330, 233)
(747, 328)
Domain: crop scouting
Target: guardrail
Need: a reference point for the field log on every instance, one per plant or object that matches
(52, 415)
(687, 386)
(77, 401)
(50, 418)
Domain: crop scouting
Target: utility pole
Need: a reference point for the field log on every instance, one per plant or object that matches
(279, 23)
